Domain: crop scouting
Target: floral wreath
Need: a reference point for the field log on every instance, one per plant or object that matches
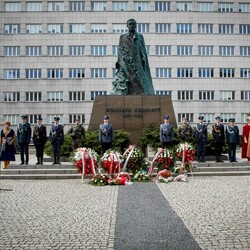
(111, 161)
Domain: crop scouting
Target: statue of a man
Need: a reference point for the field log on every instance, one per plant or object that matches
(133, 74)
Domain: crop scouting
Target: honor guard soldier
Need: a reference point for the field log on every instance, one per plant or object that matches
(106, 134)
(23, 138)
(200, 136)
(185, 131)
(77, 134)
(232, 139)
(39, 139)
(218, 137)
(166, 133)
(56, 137)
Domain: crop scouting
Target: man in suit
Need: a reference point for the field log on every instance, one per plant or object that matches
(218, 137)
(39, 139)
(56, 136)
(200, 136)
(232, 139)
(166, 133)
(106, 134)
(23, 138)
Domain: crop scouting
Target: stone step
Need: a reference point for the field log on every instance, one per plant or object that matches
(38, 171)
(221, 169)
(45, 166)
(229, 173)
(40, 176)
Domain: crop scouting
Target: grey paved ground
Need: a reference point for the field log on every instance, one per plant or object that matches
(216, 210)
(66, 214)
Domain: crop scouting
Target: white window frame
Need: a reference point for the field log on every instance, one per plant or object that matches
(13, 119)
(141, 6)
(98, 50)
(163, 72)
(245, 50)
(76, 96)
(55, 96)
(34, 6)
(33, 96)
(11, 96)
(184, 72)
(162, 6)
(189, 116)
(205, 7)
(183, 6)
(163, 50)
(163, 28)
(33, 28)
(245, 95)
(76, 73)
(119, 28)
(225, 7)
(204, 50)
(33, 50)
(226, 28)
(98, 72)
(12, 6)
(55, 73)
(11, 50)
(226, 50)
(11, 74)
(227, 72)
(77, 6)
(77, 28)
(206, 95)
(98, 28)
(77, 50)
(185, 95)
(33, 73)
(72, 118)
(120, 6)
(184, 50)
(98, 5)
(56, 6)
(93, 94)
(245, 73)
(227, 95)
(55, 50)
(205, 28)
(184, 28)
(12, 28)
(55, 28)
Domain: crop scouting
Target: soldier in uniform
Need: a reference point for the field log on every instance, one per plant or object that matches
(166, 133)
(106, 134)
(185, 131)
(23, 138)
(218, 137)
(232, 139)
(77, 134)
(200, 136)
(56, 137)
(39, 139)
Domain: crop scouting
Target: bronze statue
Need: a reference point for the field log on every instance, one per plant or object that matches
(133, 74)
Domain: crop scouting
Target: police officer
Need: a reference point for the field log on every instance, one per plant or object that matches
(185, 131)
(23, 138)
(106, 134)
(56, 137)
(166, 133)
(39, 139)
(232, 139)
(200, 136)
(77, 134)
(218, 137)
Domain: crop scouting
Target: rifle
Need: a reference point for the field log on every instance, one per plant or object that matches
(55, 134)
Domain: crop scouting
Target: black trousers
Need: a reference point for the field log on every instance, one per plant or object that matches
(218, 149)
(24, 149)
(106, 146)
(201, 149)
(232, 152)
(39, 150)
(56, 150)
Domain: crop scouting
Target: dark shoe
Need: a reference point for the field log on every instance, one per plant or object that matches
(54, 163)
(21, 163)
(37, 163)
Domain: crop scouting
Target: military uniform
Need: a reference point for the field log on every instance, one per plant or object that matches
(200, 136)
(166, 133)
(232, 139)
(77, 134)
(56, 137)
(185, 132)
(219, 138)
(39, 139)
(23, 139)
(106, 134)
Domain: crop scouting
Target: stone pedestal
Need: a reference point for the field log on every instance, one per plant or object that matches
(132, 113)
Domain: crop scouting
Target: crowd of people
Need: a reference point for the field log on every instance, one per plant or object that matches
(186, 133)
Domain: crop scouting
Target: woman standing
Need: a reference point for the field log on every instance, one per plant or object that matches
(7, 140)
(245, 153)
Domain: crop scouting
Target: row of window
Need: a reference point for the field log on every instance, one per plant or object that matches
(78, 73)
(32, 118)
(124, 6)
(181, 28)
(182, 95)
(101, 50)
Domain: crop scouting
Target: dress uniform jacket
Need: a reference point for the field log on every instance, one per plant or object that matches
(166, 132)
(106, 133)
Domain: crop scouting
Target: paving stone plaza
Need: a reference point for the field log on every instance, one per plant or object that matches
(203, 213)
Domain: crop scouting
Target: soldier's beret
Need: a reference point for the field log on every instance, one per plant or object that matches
(105, 117)
(231, 120)
(56, 118)
(24, 116)
(217, 118)
(201, 117)
(166, 117)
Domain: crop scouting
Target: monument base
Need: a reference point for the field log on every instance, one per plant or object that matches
(132, 113)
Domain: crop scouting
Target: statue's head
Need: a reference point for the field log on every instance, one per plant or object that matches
(131, 24)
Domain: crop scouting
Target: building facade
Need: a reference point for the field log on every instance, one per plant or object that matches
(57, 55)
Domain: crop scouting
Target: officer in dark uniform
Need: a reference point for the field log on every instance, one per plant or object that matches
(106, 134)
(232, 139)
(77, 134)
(56, 137)
(218, 137)
(166, 133)
(39, 139)
(23, 138)
(200, 136)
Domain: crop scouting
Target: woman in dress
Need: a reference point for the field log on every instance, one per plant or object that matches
(7, 140)
(245, 153)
